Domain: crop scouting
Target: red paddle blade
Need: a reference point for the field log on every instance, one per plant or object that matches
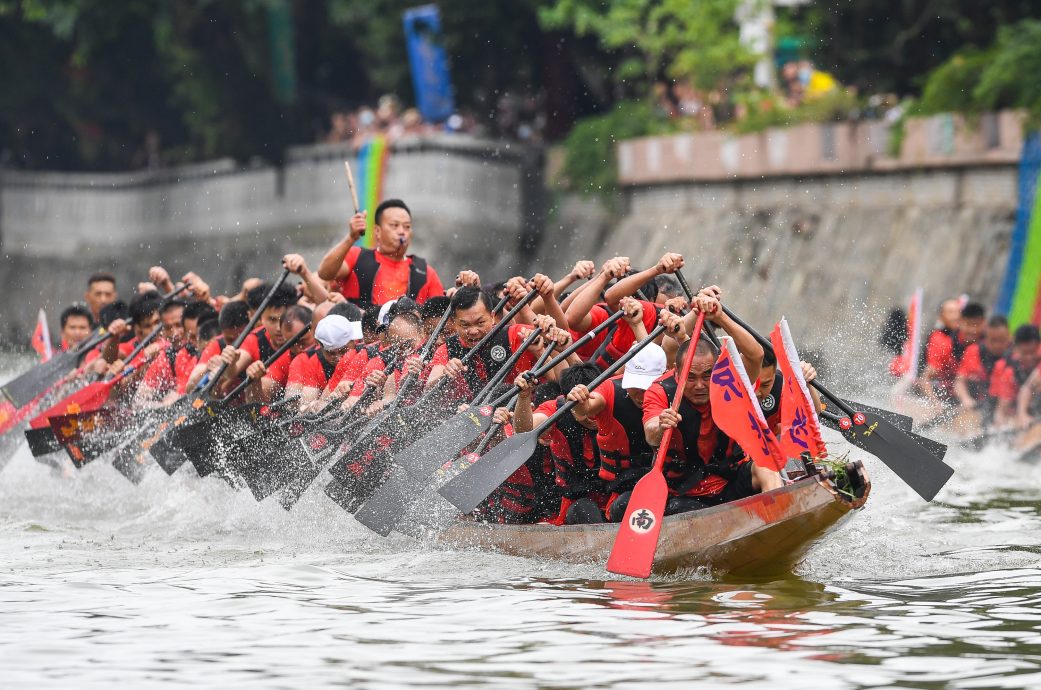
(637, 540)
(86, 399)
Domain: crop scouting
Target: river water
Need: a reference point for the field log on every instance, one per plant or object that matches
(181, 581)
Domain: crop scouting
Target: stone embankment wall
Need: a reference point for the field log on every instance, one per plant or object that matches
(831, 248)
(475, 203)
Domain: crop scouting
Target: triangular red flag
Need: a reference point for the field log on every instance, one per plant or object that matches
(41, 340)
(800, 426)
(736, 411)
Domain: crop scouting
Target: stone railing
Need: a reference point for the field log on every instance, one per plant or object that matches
(814, 149)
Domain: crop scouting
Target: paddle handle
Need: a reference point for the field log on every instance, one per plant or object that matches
(428, 347)
(607, 373)
(685, 285)
(267, 362)
(681, 382)
(768, 346)
(511, 405)
(350, 185)
(507, 317)
(141, 345)
(246, 331)
(501, 305)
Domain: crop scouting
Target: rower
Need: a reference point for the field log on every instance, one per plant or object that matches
(972, 383)
(274, 379)
(376, 276)
(1014, 372)
(403, 336)
(76, 325)
(262, 342)
(311, 371)
(232, 320)
(770, 384)
(431, 312)
(574, 452)
(472, 314)
(144, 310)
(705, 467)
(167, 377)
(616, 408)
(101, 291)
(946, 347)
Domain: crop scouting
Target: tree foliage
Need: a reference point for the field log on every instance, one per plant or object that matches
(677, 39)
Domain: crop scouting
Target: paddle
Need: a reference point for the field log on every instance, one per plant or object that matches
(470, 488)
(199, 434)
(637, 540)
(916, 466)
(382, 512)
(315, 451)
(836, 422)
(429, 451)
(134, 451)
(369, 480)
(66, 414)
(25, 388)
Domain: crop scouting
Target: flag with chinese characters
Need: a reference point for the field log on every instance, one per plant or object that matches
(41, 340)
(800, 426)
(736, 410)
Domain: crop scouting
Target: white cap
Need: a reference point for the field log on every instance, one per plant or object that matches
(335, 331)
(645, 367)
(384, 317)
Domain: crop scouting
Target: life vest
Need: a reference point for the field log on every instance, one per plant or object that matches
(629, 417)
(576, 464)
(367, 267)
(491, 357)
(771, 404)
(264, 345)
(682, 476)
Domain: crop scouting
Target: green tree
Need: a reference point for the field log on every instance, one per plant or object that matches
(677, 39)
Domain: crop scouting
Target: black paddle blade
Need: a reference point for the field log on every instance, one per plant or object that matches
(900, 421)
(314, 454)
(446, 441)
(342, 495)
(920, 469)
(488, 472)
(133, 464)
(168, 454)
(24, 389)
(939, 450)
(42, 441)
(385, 508)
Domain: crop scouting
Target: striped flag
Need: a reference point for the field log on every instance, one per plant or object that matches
(41, 341)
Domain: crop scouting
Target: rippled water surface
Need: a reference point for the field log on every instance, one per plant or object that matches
(183, 581)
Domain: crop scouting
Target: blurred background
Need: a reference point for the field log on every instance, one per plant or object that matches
(828, 154)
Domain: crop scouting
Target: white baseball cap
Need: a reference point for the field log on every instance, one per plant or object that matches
(645, 367)
(335, 331)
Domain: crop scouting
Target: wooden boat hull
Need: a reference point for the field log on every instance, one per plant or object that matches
(763, 534)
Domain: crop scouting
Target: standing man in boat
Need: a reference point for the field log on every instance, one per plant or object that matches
(375, 276)
(705, 467)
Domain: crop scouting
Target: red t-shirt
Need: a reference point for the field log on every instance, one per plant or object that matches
(654, 403)
(1003, 383)
(940, 355)
(971, 366)
(211, 350)
(309, 369)
(391, 279)
(158, 377)
(624, 337)
(597, 315)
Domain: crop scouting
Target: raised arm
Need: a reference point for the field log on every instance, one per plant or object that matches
(332, 266)
(670, 262)
(577, 313)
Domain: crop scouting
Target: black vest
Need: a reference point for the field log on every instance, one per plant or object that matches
(492, 356)
(579, 474)
(367, 267)
(772, 403)
(683, 476)
(264, 345)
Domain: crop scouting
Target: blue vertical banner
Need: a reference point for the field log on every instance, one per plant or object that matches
(430, 77)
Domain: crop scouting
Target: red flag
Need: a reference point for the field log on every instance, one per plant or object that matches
(41, 340)
(906, 363)
(800, 427)
(736, 411)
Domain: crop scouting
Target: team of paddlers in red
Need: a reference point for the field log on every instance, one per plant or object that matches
(975, 366)
(361, 320)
